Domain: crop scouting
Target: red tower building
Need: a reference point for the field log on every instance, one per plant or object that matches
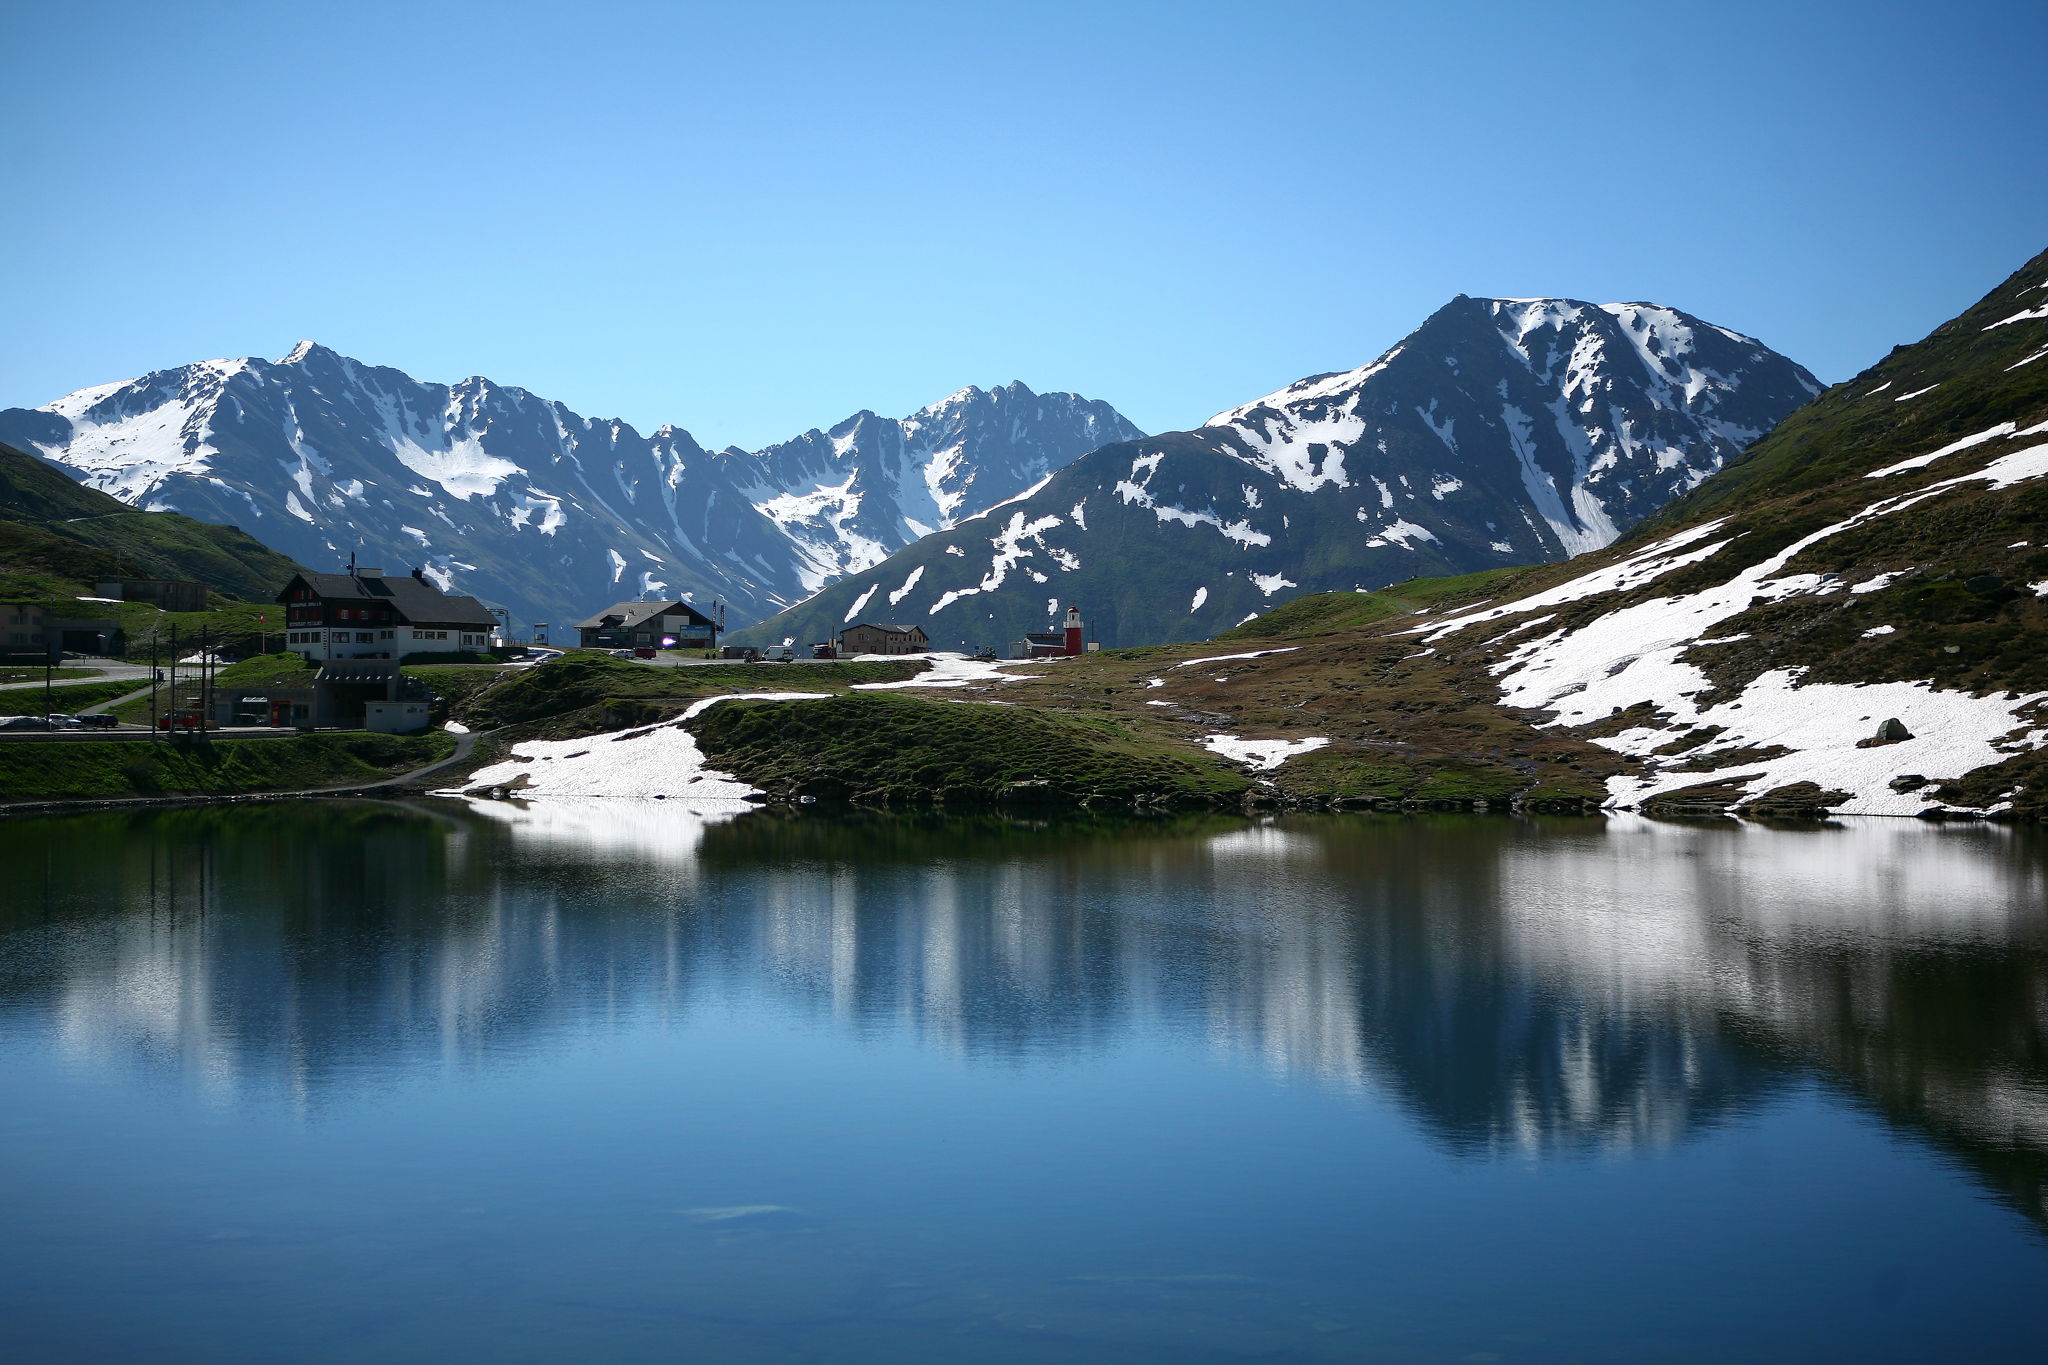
(1074, 630)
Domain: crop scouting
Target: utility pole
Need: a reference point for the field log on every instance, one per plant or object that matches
(171, 711)
(205, 678)
(155, 673)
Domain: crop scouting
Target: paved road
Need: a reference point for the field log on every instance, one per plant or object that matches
(102, 672)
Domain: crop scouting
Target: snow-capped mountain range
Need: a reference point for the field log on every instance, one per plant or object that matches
(1500, 432)
(531, 506)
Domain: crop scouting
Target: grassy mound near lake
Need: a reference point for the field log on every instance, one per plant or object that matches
(890, 749)
(577, 682)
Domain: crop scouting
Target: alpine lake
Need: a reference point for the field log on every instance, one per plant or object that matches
(611, 1081)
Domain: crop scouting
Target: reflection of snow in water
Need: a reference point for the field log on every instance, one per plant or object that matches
(1648, 916)
(668, 832)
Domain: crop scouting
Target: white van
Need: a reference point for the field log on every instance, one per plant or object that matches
(779, 654)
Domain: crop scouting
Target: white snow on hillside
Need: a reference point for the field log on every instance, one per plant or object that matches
(647, 762)
(1638, 653)
(1260, 755)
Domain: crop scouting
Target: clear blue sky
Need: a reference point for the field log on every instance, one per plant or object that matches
(750, 219)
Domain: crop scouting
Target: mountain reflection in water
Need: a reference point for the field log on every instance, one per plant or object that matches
(1525, 988)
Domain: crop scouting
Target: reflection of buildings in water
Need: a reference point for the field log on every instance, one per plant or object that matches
(1522, 987)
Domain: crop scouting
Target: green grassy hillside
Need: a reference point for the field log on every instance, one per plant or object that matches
(57, 535)
(84, 770)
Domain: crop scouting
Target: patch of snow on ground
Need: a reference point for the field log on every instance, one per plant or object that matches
(618, 564)
(1238, 530)
(1403, 531)
(1651, 562)
(1634, 654)
(1219, 658)
(1270, 583)
(908, 583)
(1907, 397)
(1876, 631)
(2003, 429)
(462, 466)
(1009, 549)
(952, 670)
(645, 762)
(860, 604)
(2027, 316)
(1953, 734)
(1260, 755)
(1201, 596)
(1155, 682)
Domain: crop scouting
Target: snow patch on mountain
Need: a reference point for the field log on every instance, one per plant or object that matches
(1816, 731)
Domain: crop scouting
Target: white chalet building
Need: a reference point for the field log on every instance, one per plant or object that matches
(362, 614)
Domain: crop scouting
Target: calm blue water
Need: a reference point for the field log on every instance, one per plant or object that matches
(392, 1083)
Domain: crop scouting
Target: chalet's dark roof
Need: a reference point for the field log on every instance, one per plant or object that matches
(415, 600)
(893, 630)
(632, 614)
(1046, 637)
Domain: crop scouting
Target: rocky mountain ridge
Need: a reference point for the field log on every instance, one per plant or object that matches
(531, 505)
(1501, 431)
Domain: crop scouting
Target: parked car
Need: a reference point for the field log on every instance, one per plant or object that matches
(744, 653)
(644, 652)
(23, 723)
(779, 654)
(59, 721)
(622, 653)
(825, 651)
(100, 720)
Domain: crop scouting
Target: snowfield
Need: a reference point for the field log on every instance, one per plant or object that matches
(1802, 731)
(650, 762)
(1260, 755)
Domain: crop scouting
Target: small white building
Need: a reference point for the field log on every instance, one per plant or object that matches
(395, 717)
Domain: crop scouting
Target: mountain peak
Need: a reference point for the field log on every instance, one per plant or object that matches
(306, 350)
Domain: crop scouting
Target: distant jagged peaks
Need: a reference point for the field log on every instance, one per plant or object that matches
(529, 504)
(1500, 431)
(851, 496)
